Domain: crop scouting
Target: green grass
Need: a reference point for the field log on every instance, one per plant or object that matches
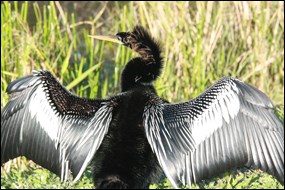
(202, 41)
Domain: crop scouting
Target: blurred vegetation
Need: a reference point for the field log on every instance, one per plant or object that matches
(202, 41)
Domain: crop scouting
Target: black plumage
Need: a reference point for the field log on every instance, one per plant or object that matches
(131, 136)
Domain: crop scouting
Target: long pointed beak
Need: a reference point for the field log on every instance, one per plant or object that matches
(107, 38)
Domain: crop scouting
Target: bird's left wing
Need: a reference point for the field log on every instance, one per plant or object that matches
(46, 123)
(231, 124)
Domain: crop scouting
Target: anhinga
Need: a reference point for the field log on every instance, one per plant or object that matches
(132, 135)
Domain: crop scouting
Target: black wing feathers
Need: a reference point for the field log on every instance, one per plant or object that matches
(231, 124)
(46, 123)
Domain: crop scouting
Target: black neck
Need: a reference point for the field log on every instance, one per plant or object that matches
(147, 67)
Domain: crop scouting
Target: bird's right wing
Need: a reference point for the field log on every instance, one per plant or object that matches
(231, 124)
(46, 123)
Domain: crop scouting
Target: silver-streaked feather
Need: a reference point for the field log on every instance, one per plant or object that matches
(231, 124)
(32, 126)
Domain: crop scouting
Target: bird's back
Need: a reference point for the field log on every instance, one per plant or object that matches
(125, 156)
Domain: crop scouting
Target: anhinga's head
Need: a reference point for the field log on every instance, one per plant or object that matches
(143, 69)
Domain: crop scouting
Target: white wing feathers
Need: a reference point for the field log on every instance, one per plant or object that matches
(35, 123)
(215, 132)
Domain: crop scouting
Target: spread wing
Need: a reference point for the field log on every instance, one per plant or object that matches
(46, 123)
(231, 124)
